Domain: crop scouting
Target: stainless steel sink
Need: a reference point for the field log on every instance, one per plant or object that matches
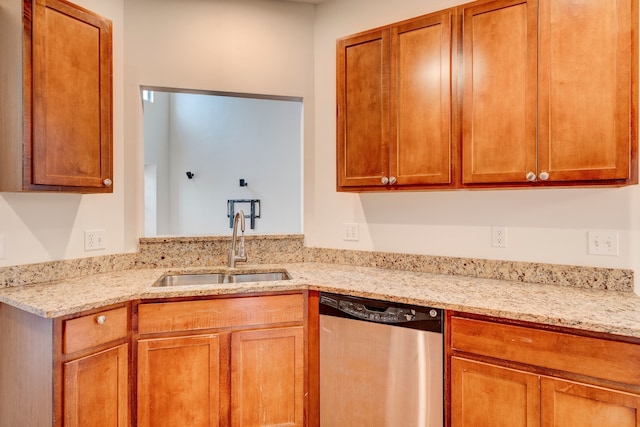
(190, 279)
(215, 278)
(256, 277)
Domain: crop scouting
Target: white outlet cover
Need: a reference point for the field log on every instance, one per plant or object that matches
(603, 243)
(499, 237)
(94, 240)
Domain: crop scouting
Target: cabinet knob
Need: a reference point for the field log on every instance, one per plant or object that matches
(107, 182)
(101, 320)
(544, 175)
(392, 180)
(385, 180)
(530, 176)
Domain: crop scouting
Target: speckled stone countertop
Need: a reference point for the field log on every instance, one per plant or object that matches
(589, 309)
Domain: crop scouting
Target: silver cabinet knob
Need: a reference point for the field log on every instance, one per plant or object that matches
(385, 180)
(544, 175)
(392, 180)
(530, 176)
(107, 182)
(101, 320)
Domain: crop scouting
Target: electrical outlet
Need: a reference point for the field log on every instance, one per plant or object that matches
(3, 254)
(499, 237)
(603, 243)
(351, 231)
(94, 240)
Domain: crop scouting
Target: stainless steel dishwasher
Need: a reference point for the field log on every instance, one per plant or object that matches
(381, 364)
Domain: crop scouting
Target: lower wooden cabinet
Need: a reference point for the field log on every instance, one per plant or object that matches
(179, 381)
(489, 395)
(222, 362)
(569, 404)
(96, 389)
(267, 384)
(514, 375)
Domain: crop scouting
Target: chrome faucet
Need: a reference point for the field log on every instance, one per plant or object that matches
(240, 255)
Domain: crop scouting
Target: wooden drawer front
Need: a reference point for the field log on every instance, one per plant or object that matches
(87, 331)
(600, 358)
(219, 313)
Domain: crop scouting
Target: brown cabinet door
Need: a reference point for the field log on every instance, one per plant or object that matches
(585, 120)
(569, 404)
(421, 100)
(484, 395)
(499, 91)
(267, 377)
(363, 109)
(71, 140)
(96, 389)
(179, 381)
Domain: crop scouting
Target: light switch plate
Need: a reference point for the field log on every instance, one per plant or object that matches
(351, 231)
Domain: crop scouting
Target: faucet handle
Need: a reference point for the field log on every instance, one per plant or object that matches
(241, 250)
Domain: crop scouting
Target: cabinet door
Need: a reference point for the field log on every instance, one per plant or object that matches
(71, 83)
(179, 381)
(96, 390)
(363, 109)
(484, 395)
(569, 404)
(585, 121)
(267, 377)
(499, 92)
(421, 100)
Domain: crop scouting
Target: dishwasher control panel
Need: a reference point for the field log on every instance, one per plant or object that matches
(381, 311)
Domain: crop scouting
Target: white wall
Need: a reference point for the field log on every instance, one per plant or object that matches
(545, 225)
(222, 139)
(244, 46)
(43, 227)
(156, 158)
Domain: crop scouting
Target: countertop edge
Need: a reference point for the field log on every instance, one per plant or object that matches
(616, 313)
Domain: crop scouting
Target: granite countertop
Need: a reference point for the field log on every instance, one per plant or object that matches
(588, 309)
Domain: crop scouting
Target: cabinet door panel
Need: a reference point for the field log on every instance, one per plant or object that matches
(585, 89)
(569, 404)
(96, 390)
(71, 97)
(179, 381)
(421, 101)
(485, 395)
(267, 377)
(363, 109)
(499, 92)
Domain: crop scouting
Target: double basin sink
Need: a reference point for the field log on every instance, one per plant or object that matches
(217, 278)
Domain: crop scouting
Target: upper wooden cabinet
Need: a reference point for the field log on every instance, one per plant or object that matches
(56, 123)
(493, 93)
(549, 90)
(394, 105)
(499, 91)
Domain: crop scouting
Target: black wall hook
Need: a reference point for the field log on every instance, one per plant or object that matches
(190, 175)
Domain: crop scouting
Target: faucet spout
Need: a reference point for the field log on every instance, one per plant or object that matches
(237, 252)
